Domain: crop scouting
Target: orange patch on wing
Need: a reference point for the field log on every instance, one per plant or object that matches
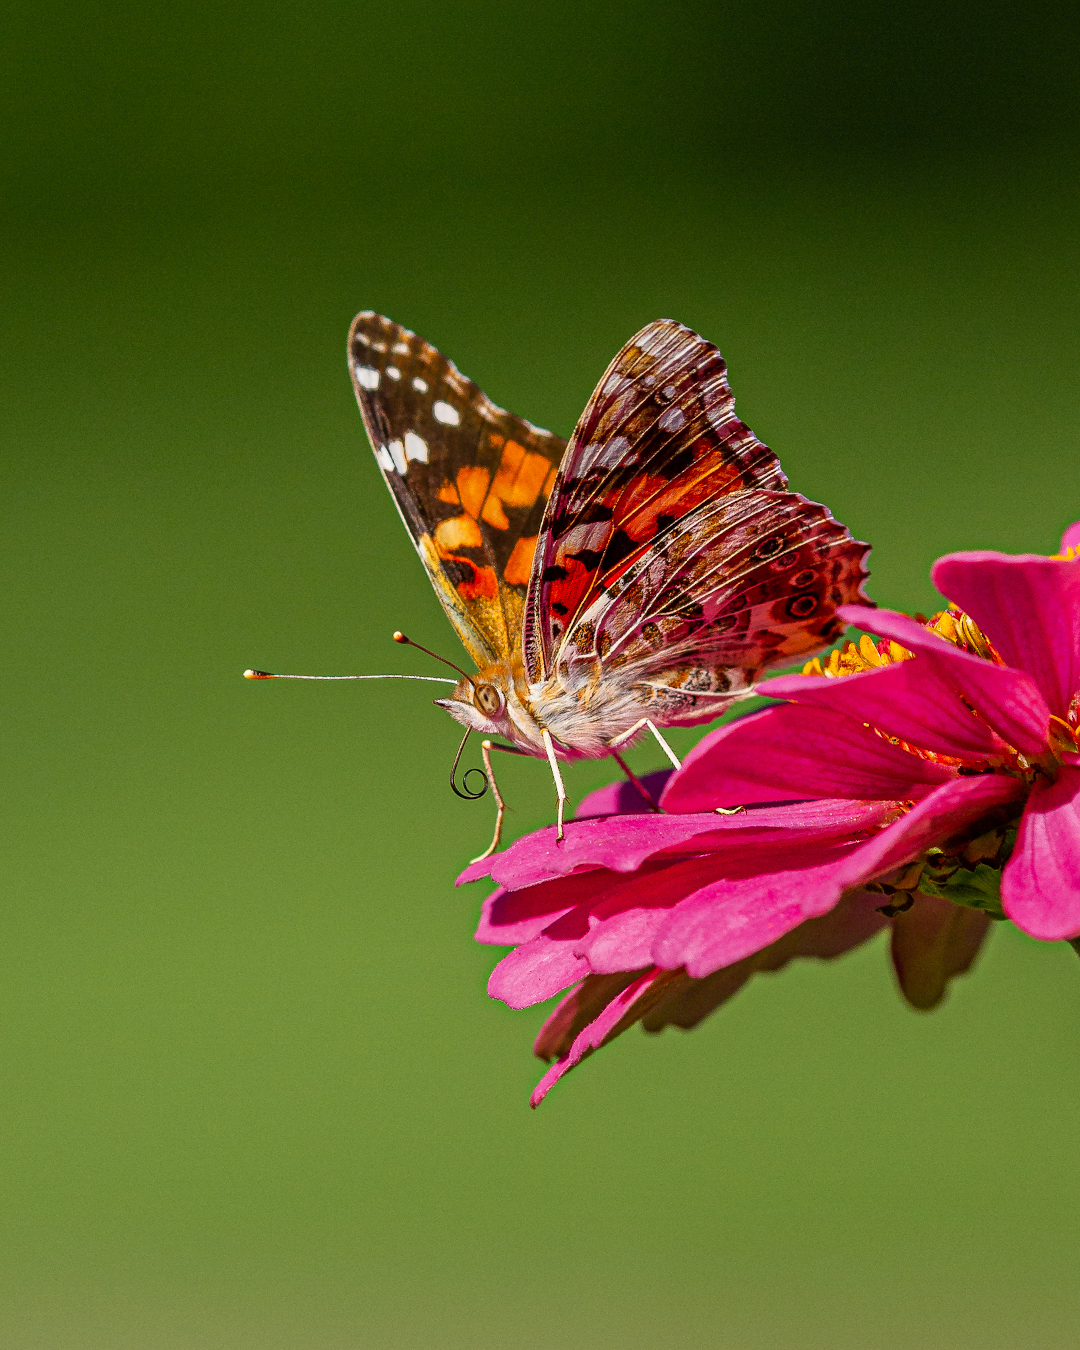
(472, 486)
(520, 475)
(458, 532)
(484, 585)
(518, 567)
(494, 514)
(449, 493)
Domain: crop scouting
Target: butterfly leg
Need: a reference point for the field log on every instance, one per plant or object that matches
(646, 722)
(549, 745)
(486, 748)
(642, 789)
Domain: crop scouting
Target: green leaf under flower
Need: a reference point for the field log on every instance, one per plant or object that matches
(978, 888)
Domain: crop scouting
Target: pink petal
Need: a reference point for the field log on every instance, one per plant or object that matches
(623, 940)
(911, 700)
(732, 917)
(1040, 889)
(536, 971)
(932, 943)
(1029, 608)
(625, 843)
(576, 1010)
(509, 917)
(1007, 699)
(852, 922)
(603, 1006)
(594, 1035)
(797, 752)
(1071, 538)
(931, 820)
(623, 924)
(622, 797)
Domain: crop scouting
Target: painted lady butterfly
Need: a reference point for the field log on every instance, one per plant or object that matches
(641, 576)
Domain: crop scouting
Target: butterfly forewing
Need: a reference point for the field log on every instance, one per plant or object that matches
(658, 438)
(471, 481)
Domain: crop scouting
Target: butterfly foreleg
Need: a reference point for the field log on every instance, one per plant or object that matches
(549, 746)
(629, 735)
(486, 748)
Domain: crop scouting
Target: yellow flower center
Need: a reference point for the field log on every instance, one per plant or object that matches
(855, 658)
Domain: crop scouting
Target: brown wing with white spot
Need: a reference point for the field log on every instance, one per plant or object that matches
(658, 439)
(471, 481)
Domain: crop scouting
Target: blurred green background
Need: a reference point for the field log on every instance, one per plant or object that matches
(252, 1093)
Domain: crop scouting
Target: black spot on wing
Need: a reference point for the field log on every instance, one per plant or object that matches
(589, 558)
(619, 546)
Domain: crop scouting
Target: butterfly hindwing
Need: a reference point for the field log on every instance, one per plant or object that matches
(470, 480)
(658, 439)
(745, 582)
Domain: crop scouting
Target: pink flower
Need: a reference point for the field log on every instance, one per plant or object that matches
(593, 908)
(967, 740)
(924, 769)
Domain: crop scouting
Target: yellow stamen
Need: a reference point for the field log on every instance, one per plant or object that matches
(1063, 735)
(962, 631)
(854, 659)
(869, 652)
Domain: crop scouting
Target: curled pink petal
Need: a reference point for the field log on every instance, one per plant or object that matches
(734, 916)
(1071, 538)
(1006, 699)
(795, 751)
(576, 1009)
(1029, 608)
(853, 921)
(1040, 888)
(601, 1007)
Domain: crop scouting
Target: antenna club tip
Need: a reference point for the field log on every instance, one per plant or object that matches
(258, 675)
(399, 636)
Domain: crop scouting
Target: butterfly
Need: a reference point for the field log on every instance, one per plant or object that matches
(642, 575)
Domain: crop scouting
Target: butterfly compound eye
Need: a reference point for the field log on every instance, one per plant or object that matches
(487, 699)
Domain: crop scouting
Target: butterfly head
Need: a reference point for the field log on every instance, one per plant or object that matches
(489, 702)
(479, 702)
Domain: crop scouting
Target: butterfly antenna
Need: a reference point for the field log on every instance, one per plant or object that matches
(269, 675)
(408, 642)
